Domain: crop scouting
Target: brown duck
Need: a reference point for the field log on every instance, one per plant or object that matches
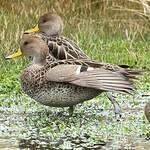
(147, 111)
(49, 27)
(147, 108)
(65, 83)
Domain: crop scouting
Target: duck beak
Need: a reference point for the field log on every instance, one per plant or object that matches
(35, 29)
(19, 53)
(148, 94)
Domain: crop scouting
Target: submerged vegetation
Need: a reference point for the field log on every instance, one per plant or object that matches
(108, 31)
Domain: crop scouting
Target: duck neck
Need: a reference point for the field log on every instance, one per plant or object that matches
(39, 60)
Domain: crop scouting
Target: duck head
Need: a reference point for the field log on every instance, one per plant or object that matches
(32, 47)
(50, 23)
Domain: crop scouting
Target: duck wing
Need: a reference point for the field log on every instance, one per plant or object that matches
(61, 47)
(90, 77)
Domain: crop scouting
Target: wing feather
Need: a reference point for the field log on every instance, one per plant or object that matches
(98, 78)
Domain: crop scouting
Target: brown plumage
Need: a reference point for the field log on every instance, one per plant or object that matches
(147, 111)
(65, 83)
(50, 26)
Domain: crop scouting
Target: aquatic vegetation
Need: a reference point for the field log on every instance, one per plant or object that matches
(26, 124)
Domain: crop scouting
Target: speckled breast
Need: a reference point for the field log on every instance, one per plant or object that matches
(53, 93)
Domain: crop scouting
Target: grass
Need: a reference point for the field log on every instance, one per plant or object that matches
(108, 31)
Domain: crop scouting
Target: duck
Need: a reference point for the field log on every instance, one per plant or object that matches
(147, 107)
(49, 28)
(147, 111)
(68, 82)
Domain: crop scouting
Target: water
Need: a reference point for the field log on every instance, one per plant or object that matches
(25, 124)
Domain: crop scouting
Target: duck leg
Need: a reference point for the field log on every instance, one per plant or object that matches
(71, 108)
(117, 107)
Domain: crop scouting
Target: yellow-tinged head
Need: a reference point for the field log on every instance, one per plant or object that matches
(50, 24)
(34, 47)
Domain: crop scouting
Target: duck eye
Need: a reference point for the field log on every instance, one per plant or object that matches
(44, 21)
(25, 43)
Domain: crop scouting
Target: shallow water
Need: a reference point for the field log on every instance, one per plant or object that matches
(25, 124)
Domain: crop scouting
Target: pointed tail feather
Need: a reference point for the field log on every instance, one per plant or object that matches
(132, 74)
